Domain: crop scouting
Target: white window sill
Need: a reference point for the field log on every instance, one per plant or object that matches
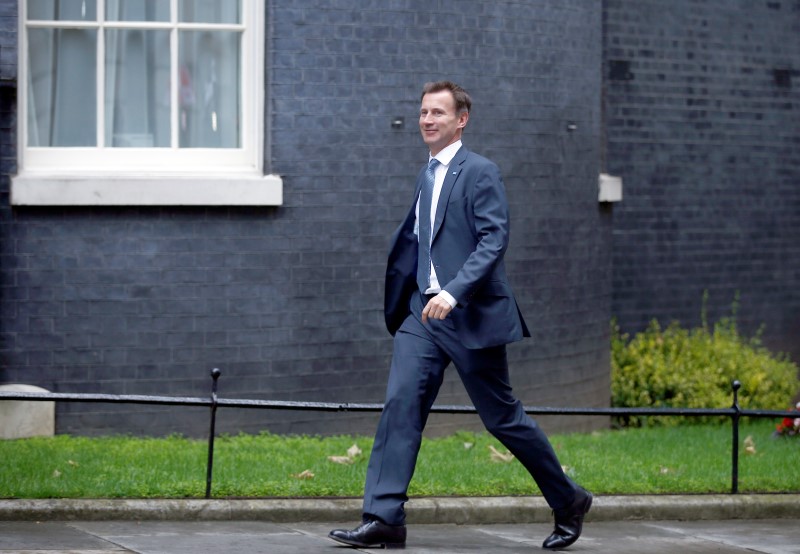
(231, 189)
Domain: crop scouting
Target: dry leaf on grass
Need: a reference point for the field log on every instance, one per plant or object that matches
(498, 456)
(468, 445)
(749, 445)
(343, 460)
(307, 474)
(352, 454)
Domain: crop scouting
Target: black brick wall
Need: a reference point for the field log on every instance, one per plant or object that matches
(287, 300)
(702, 111)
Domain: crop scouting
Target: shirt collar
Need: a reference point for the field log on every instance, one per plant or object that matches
(446, 155)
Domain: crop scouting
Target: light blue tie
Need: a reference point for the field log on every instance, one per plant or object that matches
(425, 199)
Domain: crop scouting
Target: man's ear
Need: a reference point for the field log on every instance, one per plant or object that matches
(463, 117)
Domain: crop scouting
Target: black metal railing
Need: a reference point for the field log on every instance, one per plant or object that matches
(735, 412)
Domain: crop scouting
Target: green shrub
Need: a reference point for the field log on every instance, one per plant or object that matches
(680, 368)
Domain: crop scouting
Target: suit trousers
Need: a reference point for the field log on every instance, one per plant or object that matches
(421, 354)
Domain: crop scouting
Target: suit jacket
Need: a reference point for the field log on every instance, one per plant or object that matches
(469, 239)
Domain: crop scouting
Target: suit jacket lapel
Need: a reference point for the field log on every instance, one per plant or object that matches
(453, 172)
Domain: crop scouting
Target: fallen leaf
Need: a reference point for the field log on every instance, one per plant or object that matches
(354, 451)
(56, 473)
(73, 464)
(498, 456)
(566, 469)
(749, 445)
(344, 460)
(303, 475)
(468, 445)
(664, 470)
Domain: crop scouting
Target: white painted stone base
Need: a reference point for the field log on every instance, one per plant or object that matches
(20, 419)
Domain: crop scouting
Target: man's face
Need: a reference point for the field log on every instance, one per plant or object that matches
(439, 123)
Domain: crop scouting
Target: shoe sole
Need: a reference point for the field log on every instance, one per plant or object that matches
(387, 545)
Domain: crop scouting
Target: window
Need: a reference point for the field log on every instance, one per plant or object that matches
(142, 102)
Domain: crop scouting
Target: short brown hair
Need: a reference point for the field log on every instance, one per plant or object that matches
(460, 96)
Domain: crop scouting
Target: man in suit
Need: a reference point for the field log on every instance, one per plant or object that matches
(448, 300)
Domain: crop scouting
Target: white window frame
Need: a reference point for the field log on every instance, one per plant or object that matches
(65, 176)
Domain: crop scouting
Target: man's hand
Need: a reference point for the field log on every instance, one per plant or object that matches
(437, 308)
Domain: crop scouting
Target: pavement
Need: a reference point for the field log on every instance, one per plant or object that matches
(739, 523)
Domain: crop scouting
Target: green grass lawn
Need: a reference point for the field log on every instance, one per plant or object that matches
(685, 459)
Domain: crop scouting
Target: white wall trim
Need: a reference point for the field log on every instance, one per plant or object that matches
(115, 190)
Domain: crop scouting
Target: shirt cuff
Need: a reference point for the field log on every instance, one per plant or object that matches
(449, 297)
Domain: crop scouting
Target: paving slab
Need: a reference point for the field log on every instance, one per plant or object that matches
(766, 536)
(773, 536)
(202, 537)
(51, 536)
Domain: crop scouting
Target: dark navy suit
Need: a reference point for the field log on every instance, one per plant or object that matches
(469, 239)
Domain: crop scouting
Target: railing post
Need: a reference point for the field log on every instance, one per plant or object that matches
(215, 373)
(735, 447)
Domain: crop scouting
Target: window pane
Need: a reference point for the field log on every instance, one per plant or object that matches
(62, 10)
(209, 89)
(209, 11)
(62, 97)
(137, 88)
(137, 10)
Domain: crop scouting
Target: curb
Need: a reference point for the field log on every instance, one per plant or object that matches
(432, 510)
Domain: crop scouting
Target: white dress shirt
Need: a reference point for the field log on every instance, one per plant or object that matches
(445, 156)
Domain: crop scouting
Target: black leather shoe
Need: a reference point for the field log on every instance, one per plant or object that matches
(569, 521)
(372, 534)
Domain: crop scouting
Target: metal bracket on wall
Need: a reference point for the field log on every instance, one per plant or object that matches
(609, 188)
